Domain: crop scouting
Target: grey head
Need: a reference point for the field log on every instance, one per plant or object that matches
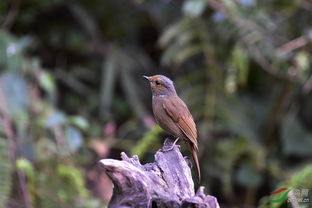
(161, 85)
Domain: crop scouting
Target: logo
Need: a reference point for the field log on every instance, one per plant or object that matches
(282, 197)
(299, 195)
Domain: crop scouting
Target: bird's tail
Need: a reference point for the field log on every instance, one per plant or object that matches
(193, 149)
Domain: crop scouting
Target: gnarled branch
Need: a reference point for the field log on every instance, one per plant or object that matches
(167, 182)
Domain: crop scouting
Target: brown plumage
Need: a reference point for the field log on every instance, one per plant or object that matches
(172, 114)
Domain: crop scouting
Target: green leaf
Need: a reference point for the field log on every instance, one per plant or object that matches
(25, 165)
(79, 121)
(74, 177)
(241, 64)
(46, 81)
(303, 60)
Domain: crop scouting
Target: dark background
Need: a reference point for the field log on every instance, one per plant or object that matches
(72, 92)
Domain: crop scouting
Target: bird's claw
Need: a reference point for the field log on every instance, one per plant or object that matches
(167, 149)
(168, 145)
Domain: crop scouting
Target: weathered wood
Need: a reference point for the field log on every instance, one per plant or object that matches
(166, 183)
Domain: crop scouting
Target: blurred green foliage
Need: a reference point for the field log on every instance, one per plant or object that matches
(148, 140)
(72, 92)
(5, 173)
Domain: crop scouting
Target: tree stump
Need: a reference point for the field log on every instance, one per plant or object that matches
(165, 183)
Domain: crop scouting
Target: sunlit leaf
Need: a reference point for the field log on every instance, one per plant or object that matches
(74, 176)
(46, 81)
(25, 165)
(303, 63)
(241, 63)
(79, 121)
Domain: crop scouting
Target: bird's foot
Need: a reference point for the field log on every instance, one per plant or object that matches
(168, 146)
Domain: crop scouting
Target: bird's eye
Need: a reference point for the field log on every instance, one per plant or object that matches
(157, 82)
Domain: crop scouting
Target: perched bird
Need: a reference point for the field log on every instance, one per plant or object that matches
(172, 114)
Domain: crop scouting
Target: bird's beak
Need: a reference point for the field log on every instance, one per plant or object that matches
(146, 77)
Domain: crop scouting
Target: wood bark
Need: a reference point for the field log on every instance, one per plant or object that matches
(165, 183)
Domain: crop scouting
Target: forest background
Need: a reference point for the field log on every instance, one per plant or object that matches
(72, 92)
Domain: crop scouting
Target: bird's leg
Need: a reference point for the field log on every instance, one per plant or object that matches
(172, 146)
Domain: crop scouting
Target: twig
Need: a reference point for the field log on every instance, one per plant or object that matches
(24, 189)
(292, 45)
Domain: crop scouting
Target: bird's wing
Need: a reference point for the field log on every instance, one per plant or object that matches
(180, 114)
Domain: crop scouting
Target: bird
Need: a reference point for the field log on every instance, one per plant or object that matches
(172, 114)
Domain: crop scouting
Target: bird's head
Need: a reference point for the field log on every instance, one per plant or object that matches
(161, 85)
